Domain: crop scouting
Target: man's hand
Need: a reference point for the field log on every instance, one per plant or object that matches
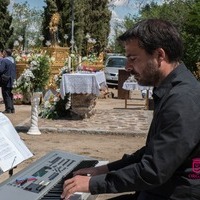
(81, 179)
(75, 184)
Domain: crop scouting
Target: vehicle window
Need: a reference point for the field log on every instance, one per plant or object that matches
(116, 62)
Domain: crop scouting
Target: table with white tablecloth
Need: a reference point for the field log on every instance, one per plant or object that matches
(131, 85)
(84, 88)
(82, 83)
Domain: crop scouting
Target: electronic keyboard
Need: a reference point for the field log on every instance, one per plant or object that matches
(44, 178)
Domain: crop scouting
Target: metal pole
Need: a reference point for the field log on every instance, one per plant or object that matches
(72, 38)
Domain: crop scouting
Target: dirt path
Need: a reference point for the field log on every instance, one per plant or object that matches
(102, 147)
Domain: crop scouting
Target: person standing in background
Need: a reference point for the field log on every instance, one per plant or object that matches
(8, 68)
(1, 57)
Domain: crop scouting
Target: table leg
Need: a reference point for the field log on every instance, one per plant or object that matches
(126, 98)
(147, 100)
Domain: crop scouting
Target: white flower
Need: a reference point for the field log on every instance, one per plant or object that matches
(41, 38)
(92, 41)
(26, 84)
(47, 104)
(56, 99)
(55, 77)
(84, 58)
(15, 84)
(65, 36)
(72, 42)
(18, 58)
(87, 36)
(34, 63)
(20, 38)
(52, 59)
(28, 73)
(16, 43)
(48, 43)
(32, 43)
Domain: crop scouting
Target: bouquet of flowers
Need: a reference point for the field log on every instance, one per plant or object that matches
(91, 63)
(63, 70)
(36, 76)
(21, 56)
(54, 107)
(17, 98)
(24, 82)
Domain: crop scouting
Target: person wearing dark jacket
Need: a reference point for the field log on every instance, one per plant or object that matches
(168, 166)
(8, 68)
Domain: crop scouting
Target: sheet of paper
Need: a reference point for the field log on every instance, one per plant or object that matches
(9, 155)
(12, 149)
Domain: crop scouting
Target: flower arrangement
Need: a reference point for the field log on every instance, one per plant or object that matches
(55, 107)
(58, 77)
(40, 67)
(91, 58)
(17, 98)
(92, 63)
(36, 76)
(24, 82)
(72, 62)
(48, 107)
(21, 56)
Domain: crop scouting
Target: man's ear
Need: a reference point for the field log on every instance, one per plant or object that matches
(161, 55)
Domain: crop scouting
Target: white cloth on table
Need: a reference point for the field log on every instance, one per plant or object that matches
(134, 86)
(128, 85)
(82, 83)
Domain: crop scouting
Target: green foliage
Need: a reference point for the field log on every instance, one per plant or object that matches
(185, 15)
(5, 24)
(90, 16)
(97, 22)
(55, 107)
(193, 20)
(191, 35)
(192, 50)
(40, 66)
(62, 71)
(175, 11)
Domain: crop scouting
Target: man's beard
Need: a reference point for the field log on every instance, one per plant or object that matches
(151, 75)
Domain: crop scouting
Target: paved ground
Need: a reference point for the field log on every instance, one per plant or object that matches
(110, 117)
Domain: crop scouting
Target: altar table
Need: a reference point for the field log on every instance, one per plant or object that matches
(131, 85)
(84, 88)
(82, 83)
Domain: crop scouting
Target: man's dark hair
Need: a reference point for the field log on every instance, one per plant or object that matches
(8, 52)
(156, 33)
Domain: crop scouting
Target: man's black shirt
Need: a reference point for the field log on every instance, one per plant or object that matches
(168, 166)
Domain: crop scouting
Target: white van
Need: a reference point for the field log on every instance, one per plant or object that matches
(112, 66)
